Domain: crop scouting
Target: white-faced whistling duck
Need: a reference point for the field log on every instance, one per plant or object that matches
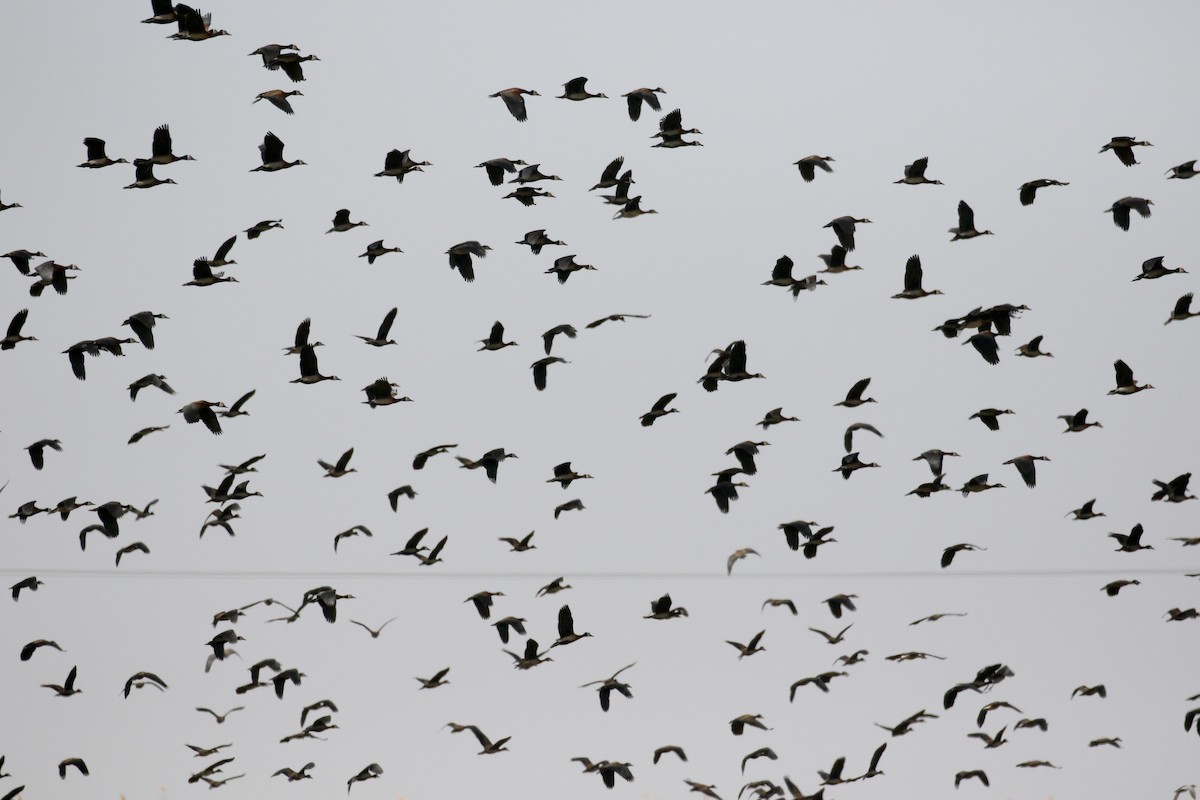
(1122, 147)
(967, 774)
(538, 239)
(142, 324)
(1114, 588)
(774, 417)
(460, 257)
(1184, 171)
(271, 151)
(309, 372)
(301, 340)
(75, 355)
(1182, 309)
(96, 157)
(339, 469)
(659, 410)
(563, 267)
(144, 432)
(1077, 422)
(420, 458)
(262, 227)
(530, 659)
(990, 417)
(851, 464)
(848, 436)
(671, 127)
(835, 260)
(515, 101)
(21, 259)
(934, 459)
(160, 149)
(380, 339)
(398, 163)
(633, 208)
(912, 281)
(671, 131)
(1130, 543)
(914, 173)
(495, 340)
(979, 484)
(643, 95)
(608, 178)
(376, 249)
(365, 774)
(1086, 511)
(844, 228)
(279, 99)
(930, 488)
(489, 461)
(1032, 349)
(949, 553)
(1125, 382)
(1153, 268)
(531, 173)
(781, 274)
(527, 195)
(36, 451)
(524, 544)
(854, 397)
(738, 555)
(13, 337)
(49, 273)
(221, 257)
(162, 12)
(1121, 208)
(292, 65)
(146, 381)
(564, 475)
(570, 505)
(984, 343)
(966, 224)
(202, 411)
(548, 337)
(575, 89)
(1173, 491)
(809, 164)
(400, 491)
(342, 223)
(194, 26)
(202, 275)
(1027, 468)
(143, 175)
(539, 368)
(270, 52)
(496, 167)
(1028, 191)
(621, 196)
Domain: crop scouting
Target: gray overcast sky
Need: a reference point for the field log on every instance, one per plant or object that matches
(994, 95)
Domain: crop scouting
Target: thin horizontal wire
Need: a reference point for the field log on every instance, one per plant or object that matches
(590, 576)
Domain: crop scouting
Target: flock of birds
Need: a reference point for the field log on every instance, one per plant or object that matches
(981, 328)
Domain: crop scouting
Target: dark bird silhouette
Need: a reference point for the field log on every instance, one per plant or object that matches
(1131, 542)
(1026, 466)
(609, 685)
(1028, 191)
(950, 552)
(1122, 148)
(1121, 208)
(750, 648)
(67, 689)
